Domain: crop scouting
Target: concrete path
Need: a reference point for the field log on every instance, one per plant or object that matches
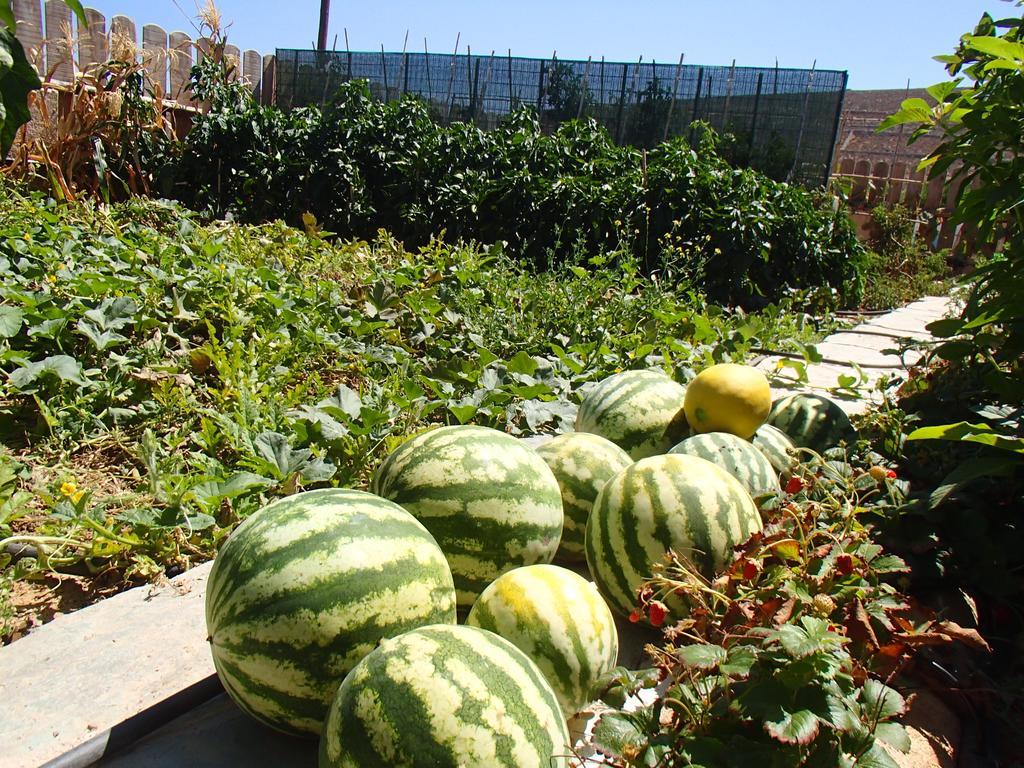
(874, 345)
(91, 683)
(71, 683)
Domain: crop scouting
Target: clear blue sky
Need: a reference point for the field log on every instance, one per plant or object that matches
(881, 43)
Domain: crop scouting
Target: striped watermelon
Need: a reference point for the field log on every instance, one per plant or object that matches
(777, 448)
(306, 587)
(582, 464)
(558, 619)
(639, 411)
(677, 502)
(490, 501)
(445, 697)
(736, 456)
(812, 421)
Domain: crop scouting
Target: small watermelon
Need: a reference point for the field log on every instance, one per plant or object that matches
(678, 502)
(558, 619)
(639, 411)
(306, 587)
(445, 697)
(812, 421)
(582, 464)
(736, 456)
(777, 448)
(489, 500)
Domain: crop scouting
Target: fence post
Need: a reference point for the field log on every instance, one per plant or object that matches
(696, 101)
(487, 83)
(252, 70)
(268, 84)
(728, 95)
(93, 43)
(233, 57)
(622, 104)
(154, 55)
(586, 89)
(835, 125)
(757, 108)
(511, 97)
(540, 86)
(451, 80)
(675, 95)
(384, 71)
(426, 65)
(474, 85)
(59, 33)
(179, 50)
(803, 122)
(28, 29)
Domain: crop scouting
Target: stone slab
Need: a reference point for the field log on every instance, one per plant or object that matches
(91, 670)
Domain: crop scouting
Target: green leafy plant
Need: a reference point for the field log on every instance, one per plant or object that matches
(781, 658)
(359, 166)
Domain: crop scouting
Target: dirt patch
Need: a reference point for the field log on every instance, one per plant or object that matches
(40, 601)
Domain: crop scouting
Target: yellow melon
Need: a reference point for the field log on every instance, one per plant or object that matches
(728, 398)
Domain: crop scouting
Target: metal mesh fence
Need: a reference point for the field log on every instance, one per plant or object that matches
(781, 121)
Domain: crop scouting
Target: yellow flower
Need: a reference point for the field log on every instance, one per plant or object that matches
(68, 489)
(77, 496)
(61, 266)
(51, 279)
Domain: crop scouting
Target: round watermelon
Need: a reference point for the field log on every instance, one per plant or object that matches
(582, 464)
(776, 447)
(678, 502)
(812, 421)
(639, 411)
(489, 500)
(445, 697)
(558, 619)
(736, 456)
(306, 587)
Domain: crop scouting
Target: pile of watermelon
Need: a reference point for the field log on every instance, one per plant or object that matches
(334, 613)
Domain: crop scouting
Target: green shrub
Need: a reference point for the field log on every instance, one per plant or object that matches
(360, 166)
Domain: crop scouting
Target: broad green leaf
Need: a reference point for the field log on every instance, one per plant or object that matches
(522, 363)
(895, 735)
(974, 433)
(739, 662)
(999, 47)
(703, 656)
(940, 91)
(880, 702)
(800, 727)
(62, 367)
(348, 401)
(618, 734)
(972, 469)
(11, 320)
(463, 413)
(876, 757)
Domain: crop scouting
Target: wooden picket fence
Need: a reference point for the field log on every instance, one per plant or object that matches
(57, 46)
(876, 181)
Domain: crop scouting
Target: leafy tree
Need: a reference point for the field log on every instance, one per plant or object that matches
(980, 113)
